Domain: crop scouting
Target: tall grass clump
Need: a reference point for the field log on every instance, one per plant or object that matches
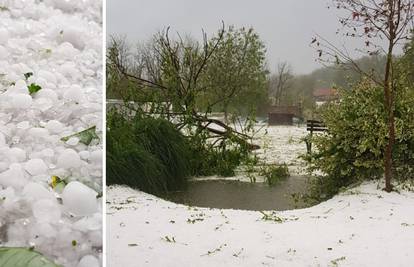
(146, 153)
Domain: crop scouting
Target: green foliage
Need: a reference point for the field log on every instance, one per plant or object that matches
(23, 257)
(27, 75)
(222, 161)
(235, 76)
(146, 153)
(33, 88)
(273, 173)
(85, 137)
(353, 150)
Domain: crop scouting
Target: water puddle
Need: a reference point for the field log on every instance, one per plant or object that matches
(227, 194)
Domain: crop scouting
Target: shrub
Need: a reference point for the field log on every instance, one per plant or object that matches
(146, 153)
(273, 173)
(353, 149)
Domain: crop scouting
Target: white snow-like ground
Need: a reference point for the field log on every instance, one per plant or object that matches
(60, 43)
(361, 227)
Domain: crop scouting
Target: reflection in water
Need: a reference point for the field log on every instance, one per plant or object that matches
(225, 194)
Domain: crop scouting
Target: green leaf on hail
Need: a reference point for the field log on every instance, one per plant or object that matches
(34, 88)
(85, 136)
(23, 257)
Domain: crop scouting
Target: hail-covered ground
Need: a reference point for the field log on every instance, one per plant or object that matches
(50, 128)
(363, 226)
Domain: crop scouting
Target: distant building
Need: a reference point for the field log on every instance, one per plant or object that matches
(323, 95)
(283, 115)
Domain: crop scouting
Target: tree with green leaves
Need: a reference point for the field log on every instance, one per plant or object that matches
(236, 73)
(374, 20)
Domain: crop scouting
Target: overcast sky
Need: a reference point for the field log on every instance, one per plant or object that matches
(285, 26)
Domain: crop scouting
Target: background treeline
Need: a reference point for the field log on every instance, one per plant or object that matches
(238, 74)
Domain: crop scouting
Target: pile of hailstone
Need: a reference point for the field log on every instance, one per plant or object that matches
(50, 186)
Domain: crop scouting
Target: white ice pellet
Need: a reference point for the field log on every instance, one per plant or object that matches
(35, 166)
(4, 36)
(73, 141)
(96, 157)
(54, 126)
(69, 159)
(79, 199)
(2, 140)
(13, 177)
(74, 36)
(46, 210)
(3, 52)
(47, 93)
(73, 94)
(88, 261)
(16, 154)
(21, 101)
(36, 191)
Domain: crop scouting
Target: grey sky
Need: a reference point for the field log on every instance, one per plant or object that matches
(286, 26)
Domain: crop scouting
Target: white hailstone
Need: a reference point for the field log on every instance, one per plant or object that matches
(84, 155)
(43, 230)
(69, 159)
(73, 94)
(96, 157)
(2, 140)
(66, 49)
(21, 101)
(4, 36)
(3, 166)
(43, 104)
(46, 210)
(64, 5)
(73, 141)
(37, 133)
(20, 87)
(48, 152)
(74, 36)
(35, 167)
(54, 126)
(88, 261)
(3, 52)
(16, 154)
(47, 93)
(13, 177)
(48, 76)
(42, 82)
(36, 191)
(24, 125)
(79, 199)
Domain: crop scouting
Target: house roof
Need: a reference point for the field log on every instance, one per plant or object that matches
(321, 92)
(295, 110)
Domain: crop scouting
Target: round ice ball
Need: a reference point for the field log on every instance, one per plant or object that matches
(36, 191)
(4, 36)
(47, 93)
(46, 210)
(69, 159)
(64, 5)
(16, 154)
(13, 177)
(79, 199)
(3, 52)
(54, 126)
(73, 94)
(88, 261)
(21, 101)
(2, 140)
(35, 166)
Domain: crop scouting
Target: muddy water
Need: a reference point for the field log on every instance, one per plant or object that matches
(225, 194)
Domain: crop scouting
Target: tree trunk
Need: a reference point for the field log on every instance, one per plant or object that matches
(389, 104)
